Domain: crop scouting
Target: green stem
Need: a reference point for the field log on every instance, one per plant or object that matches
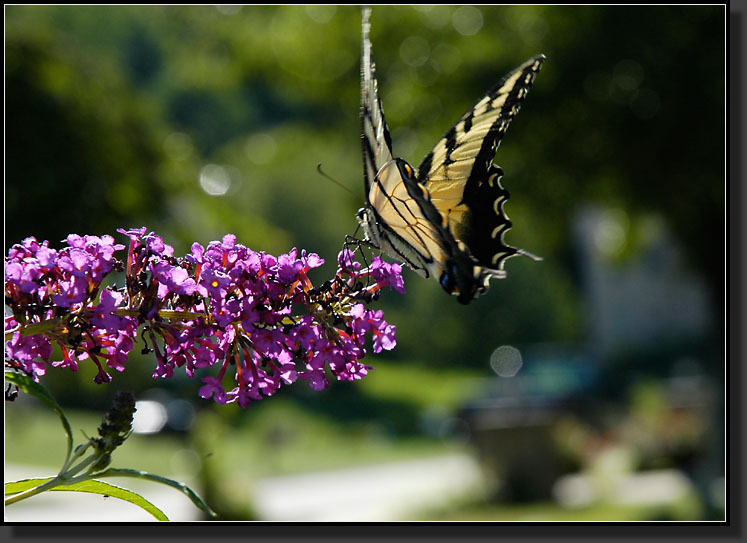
(77, 454)
(56, 481)
(35, 328)
(48, 325)
(65, 478)
(164, 313)
(68, 475)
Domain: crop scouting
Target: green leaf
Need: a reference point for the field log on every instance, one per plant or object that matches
(191, 494)
(92, 486)
(29, 386)
(19, 486)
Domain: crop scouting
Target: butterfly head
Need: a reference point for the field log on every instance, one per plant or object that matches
(368, 222)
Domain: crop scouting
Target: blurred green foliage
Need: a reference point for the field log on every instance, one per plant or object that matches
(128, 116)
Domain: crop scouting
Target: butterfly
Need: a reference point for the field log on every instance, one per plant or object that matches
(446, 218)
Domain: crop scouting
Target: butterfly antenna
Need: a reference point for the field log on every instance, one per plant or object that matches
(335, 181)
(530, 255)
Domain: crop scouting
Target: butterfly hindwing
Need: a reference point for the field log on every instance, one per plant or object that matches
(406, 222)
(485, 223)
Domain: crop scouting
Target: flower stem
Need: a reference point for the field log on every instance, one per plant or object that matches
(40, 327)
(65, 478)
(55, 481)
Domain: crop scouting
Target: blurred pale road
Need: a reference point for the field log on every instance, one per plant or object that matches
(385, 492)
(393, 491)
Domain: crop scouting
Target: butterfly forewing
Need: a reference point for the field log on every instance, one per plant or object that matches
(377, 143)
(455, 171)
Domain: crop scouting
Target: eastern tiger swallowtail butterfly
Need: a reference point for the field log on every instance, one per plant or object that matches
(446, 218)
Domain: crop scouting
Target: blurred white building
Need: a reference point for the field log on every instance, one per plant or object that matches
(637, 297)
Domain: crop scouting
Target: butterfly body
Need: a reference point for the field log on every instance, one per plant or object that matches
(446, 218)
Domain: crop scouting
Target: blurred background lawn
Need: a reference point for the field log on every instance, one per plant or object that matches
(572, 385)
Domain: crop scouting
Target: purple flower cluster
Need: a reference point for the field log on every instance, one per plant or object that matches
(256, 317)
(53, 292)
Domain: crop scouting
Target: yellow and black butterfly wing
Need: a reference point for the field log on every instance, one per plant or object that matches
(461, 178)
(377, 143)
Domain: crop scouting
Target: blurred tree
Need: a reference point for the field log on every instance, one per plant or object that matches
(83, 156)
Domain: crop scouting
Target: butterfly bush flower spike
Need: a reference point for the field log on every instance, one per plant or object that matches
(246, 323)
